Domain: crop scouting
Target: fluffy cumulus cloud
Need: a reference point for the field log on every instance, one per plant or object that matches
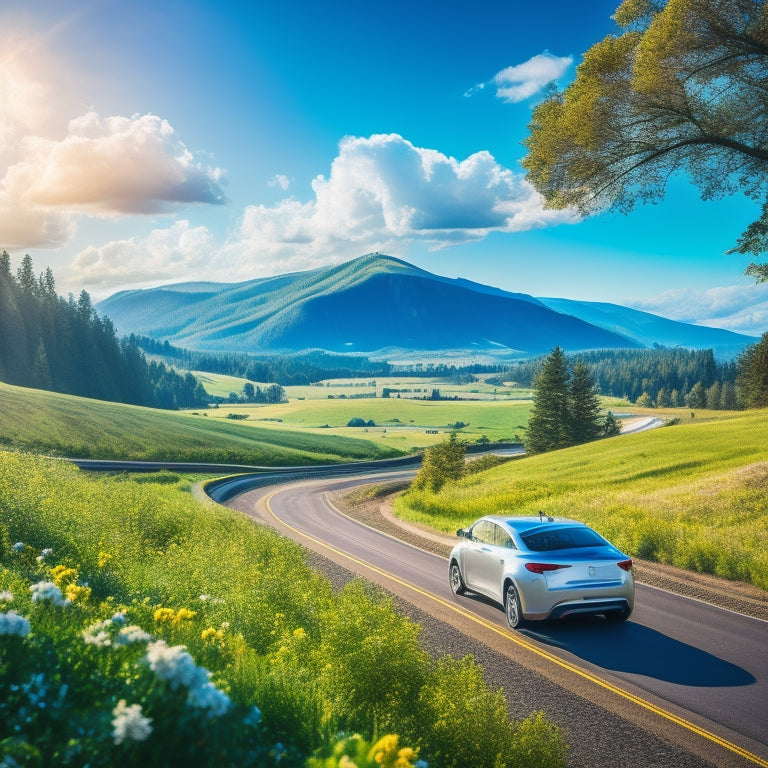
(739, 308)
(521, 81)
(383, 192)
(179, 251)
(102, 167)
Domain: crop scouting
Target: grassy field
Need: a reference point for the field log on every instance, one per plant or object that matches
(62, 425)
(694, 495)
(401, 424)
(221, 385)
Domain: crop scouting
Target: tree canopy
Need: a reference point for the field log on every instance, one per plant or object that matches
(683, 89)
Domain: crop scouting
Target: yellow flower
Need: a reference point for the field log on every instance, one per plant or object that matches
(385, 753)
(299, 633)
(103, 558)
(77, 593)
(164, 614)
(62, 576)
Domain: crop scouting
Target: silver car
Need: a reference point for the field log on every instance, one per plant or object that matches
(541, 567)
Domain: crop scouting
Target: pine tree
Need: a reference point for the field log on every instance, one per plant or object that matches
(752, 382)
(548, 425)
(585, 421)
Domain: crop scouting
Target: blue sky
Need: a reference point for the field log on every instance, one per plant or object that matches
(152, 142)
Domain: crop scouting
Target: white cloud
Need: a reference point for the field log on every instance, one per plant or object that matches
(521, 81)
(280, 181)
(102, 167)
(739, 308)
(383, 191)
(180, 251)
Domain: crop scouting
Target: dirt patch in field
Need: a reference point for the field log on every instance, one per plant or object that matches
(736, 596)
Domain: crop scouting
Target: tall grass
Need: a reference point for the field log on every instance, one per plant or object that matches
(693, 495)
(247, 609)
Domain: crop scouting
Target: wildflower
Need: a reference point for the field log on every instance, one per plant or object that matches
(12, 623)
(47, 590)
(177, 667)
(18, 546)
(253, 717)
(63, 576)
(129, 723)
(76, 593)
(103, 558)
(208, 696)
(41, 557)
(118, 618)
(132, 634)
(35, 690)
(6, 596)
(174, 664)
(385, 753)
(97, 634)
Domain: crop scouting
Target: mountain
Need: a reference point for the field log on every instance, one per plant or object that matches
(376, 305)
(650, 330)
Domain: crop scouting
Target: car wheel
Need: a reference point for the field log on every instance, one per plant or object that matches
(621, 615)
(454, 576)
(513, 608)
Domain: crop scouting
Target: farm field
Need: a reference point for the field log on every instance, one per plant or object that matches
(692, 495)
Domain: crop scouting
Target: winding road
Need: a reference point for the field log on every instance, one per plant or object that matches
(682, 684)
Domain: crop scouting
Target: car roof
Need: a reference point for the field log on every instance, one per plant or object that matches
(525, 523)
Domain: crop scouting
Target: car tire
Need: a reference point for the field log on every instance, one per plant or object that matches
(619, 616)
(456, 581)
(512, 607)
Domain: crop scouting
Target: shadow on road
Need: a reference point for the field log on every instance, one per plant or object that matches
(636, 649)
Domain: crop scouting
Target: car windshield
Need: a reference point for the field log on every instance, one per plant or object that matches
(562, 538)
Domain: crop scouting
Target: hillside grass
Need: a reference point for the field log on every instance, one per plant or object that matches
(62, 425)
(140, 554)
(693, 495)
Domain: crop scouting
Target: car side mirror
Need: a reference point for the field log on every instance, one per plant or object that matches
(463, 532)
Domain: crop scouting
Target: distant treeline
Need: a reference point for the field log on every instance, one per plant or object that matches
(300, 370)
(62, 345)
(653, 377)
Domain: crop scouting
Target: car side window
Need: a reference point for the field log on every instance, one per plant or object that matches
(482, 532)
(502, 538)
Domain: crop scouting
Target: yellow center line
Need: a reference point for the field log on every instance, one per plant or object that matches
(524, 643)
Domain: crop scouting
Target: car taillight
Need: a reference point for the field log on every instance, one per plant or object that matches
(625, 565)
(541, 567)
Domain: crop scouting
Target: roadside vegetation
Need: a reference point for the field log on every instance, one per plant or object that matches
(136, 621)
(692, 495)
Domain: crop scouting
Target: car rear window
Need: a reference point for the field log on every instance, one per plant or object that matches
(562, 538)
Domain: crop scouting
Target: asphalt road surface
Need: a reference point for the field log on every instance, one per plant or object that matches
(681, 684)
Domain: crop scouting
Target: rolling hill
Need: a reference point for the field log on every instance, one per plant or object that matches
(378, 305)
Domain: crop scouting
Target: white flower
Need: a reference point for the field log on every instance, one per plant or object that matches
(12, 623)
(18, 546)
(129, 723)
(175, 665)
(208, 696)
(6, 596)
(132, 634)
(253, 717)
(47, 551)
(47, 590)
(97, 634)
(118, 618)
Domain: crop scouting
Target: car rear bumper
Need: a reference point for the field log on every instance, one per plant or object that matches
(584, 608)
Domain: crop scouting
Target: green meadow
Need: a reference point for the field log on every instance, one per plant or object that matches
(694, 495)
(62, 425)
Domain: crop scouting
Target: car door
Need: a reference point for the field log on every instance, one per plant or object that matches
(484, 559)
